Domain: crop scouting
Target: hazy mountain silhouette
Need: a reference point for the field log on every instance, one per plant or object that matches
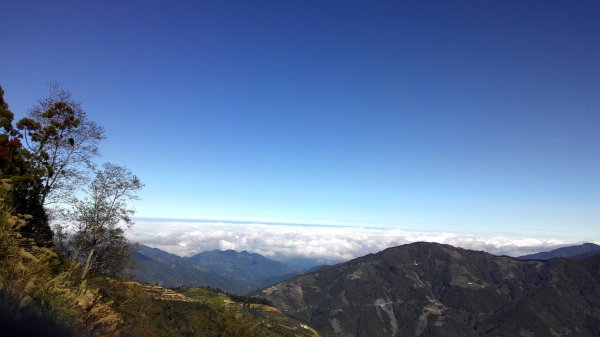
(577, 252)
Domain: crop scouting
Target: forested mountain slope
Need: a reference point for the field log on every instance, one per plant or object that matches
(236, 272)
(428, 289)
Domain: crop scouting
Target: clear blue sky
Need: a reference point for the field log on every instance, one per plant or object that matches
(476, 116)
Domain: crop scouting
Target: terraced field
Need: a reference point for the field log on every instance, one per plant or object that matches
(273, 318)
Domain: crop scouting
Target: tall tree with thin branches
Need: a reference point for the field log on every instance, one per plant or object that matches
(61, 142)
(101, 219)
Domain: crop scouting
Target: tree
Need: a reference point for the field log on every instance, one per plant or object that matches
(101, 219)
(61, 143)
(6, 116)
(9, 143)
(24, 197)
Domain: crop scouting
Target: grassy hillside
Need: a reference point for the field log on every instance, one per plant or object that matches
(277, 323)
(157, 311)
(39, 292)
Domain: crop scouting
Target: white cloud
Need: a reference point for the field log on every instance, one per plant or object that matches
(327, 243)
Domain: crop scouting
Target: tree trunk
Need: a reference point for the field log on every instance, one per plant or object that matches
(88, 264)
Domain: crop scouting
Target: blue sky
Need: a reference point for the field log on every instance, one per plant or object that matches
(465, 117)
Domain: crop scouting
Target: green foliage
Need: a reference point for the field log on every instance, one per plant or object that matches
(16, 163)
(100, 219)
(6, 116)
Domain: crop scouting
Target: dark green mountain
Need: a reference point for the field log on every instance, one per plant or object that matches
(235, 272)
(159, 255)
(576, 252)
(176, 274)
(251, 269)
(427, 289)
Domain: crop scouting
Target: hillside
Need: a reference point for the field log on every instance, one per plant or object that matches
(427, 289)
(160, 312)
(37, 301)
(42, 294)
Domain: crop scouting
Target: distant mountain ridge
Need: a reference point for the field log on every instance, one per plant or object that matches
(243, 267)
(427, 289)
(235, 272)
(573, 252)
(178, 274)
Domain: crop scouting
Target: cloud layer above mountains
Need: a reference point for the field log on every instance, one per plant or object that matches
(324, 243)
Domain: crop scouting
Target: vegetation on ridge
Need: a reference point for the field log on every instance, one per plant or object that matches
(71, 281)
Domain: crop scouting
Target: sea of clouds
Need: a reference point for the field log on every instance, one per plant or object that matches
(323, 243)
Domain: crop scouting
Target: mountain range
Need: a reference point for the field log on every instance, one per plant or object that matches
(428, 289)
(572, 252)
(234, 272)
